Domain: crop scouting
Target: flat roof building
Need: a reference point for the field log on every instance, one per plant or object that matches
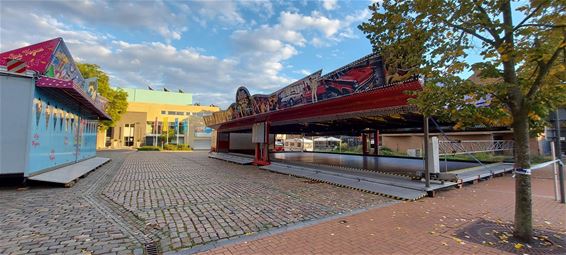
(138, 127)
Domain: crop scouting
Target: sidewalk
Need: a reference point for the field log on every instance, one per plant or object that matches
(423, 227)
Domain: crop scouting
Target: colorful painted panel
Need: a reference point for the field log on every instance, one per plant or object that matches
(37, 56)
(63, 67)
(58, 134)
(362, 75)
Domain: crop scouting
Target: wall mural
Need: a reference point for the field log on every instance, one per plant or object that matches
(365, 74)
(61, 142)
(63, 67)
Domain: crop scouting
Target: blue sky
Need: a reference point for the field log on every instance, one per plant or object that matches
(208, 48)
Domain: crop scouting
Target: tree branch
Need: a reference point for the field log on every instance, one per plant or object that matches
(529, 16)
(544, 70)
(489, 27)
(470, 32)
(543, 25)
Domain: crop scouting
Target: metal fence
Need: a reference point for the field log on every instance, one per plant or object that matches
(473, 146)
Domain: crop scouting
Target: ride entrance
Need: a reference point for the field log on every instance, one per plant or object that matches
(367, 99)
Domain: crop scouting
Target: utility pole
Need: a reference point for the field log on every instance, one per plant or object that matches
(559, 157)
(426, 152)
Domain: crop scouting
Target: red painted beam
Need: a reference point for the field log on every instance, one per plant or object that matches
(366, 101)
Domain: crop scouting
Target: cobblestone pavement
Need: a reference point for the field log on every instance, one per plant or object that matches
(193, 200)
(426, 226)
(49, 219)
(181, 200)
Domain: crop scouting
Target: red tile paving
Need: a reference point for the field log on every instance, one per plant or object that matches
(422, 227)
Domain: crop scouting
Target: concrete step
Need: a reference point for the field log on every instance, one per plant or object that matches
(68, 174)
(231, 158)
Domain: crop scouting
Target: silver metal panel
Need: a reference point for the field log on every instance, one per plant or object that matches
(72, 172)
(16, 94)
(200, 145)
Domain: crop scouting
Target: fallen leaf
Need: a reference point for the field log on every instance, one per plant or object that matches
(518, 246)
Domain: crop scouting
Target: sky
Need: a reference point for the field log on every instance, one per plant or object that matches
(208, 48)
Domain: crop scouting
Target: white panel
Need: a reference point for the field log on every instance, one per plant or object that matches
(258, 133)
(16, 95)
(433, 157)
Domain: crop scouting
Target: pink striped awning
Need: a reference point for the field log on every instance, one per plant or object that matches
(66, 90)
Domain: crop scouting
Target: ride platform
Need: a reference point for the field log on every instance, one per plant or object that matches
(230, 157)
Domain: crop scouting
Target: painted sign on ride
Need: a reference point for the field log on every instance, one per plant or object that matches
(365, 74)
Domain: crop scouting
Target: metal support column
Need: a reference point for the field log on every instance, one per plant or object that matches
(559, 156)
(266, 144)
(426, 152)
(376, 142)
(364, 144)
(257, 153)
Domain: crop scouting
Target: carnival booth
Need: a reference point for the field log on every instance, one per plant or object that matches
(49, 114)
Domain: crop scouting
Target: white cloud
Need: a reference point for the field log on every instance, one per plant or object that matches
(154, 16)
(297, 21)
(225, 11)
(329, 4)
(304, 72)
(259, 59)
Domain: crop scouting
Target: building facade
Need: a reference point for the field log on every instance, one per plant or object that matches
(148, 110)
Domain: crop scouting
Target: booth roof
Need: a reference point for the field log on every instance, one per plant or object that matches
(67, 90)
(37, 56)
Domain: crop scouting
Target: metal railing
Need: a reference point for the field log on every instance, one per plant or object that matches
(447, 147)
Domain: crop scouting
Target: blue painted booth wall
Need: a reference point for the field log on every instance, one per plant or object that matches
(57, 130)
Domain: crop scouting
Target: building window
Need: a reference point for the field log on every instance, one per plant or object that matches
(163, 112)
(180, 113)
(189, 113)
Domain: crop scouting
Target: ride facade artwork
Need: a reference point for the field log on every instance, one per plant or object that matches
(365, 74)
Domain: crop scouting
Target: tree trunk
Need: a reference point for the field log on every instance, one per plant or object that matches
(523, 203)
(520, 112)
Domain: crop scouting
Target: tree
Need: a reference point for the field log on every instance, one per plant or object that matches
(522, 57)
(117, 98)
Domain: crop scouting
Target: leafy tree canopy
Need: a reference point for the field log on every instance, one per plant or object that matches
(436, 38)
(117, 98)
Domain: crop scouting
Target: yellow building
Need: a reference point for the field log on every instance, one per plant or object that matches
(137, 127)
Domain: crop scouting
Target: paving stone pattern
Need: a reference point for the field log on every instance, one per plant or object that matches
(194, 200)
(426, 226)
(180, 200)
(48, 219)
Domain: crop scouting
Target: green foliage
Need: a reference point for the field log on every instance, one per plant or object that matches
(521, 69)
(175, 147)
(169, 136)
(117, 98)
(149, 148)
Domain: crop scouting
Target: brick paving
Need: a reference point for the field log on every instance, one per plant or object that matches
(195, 200)
(426, 226)
(48, 219)
(185, 200)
